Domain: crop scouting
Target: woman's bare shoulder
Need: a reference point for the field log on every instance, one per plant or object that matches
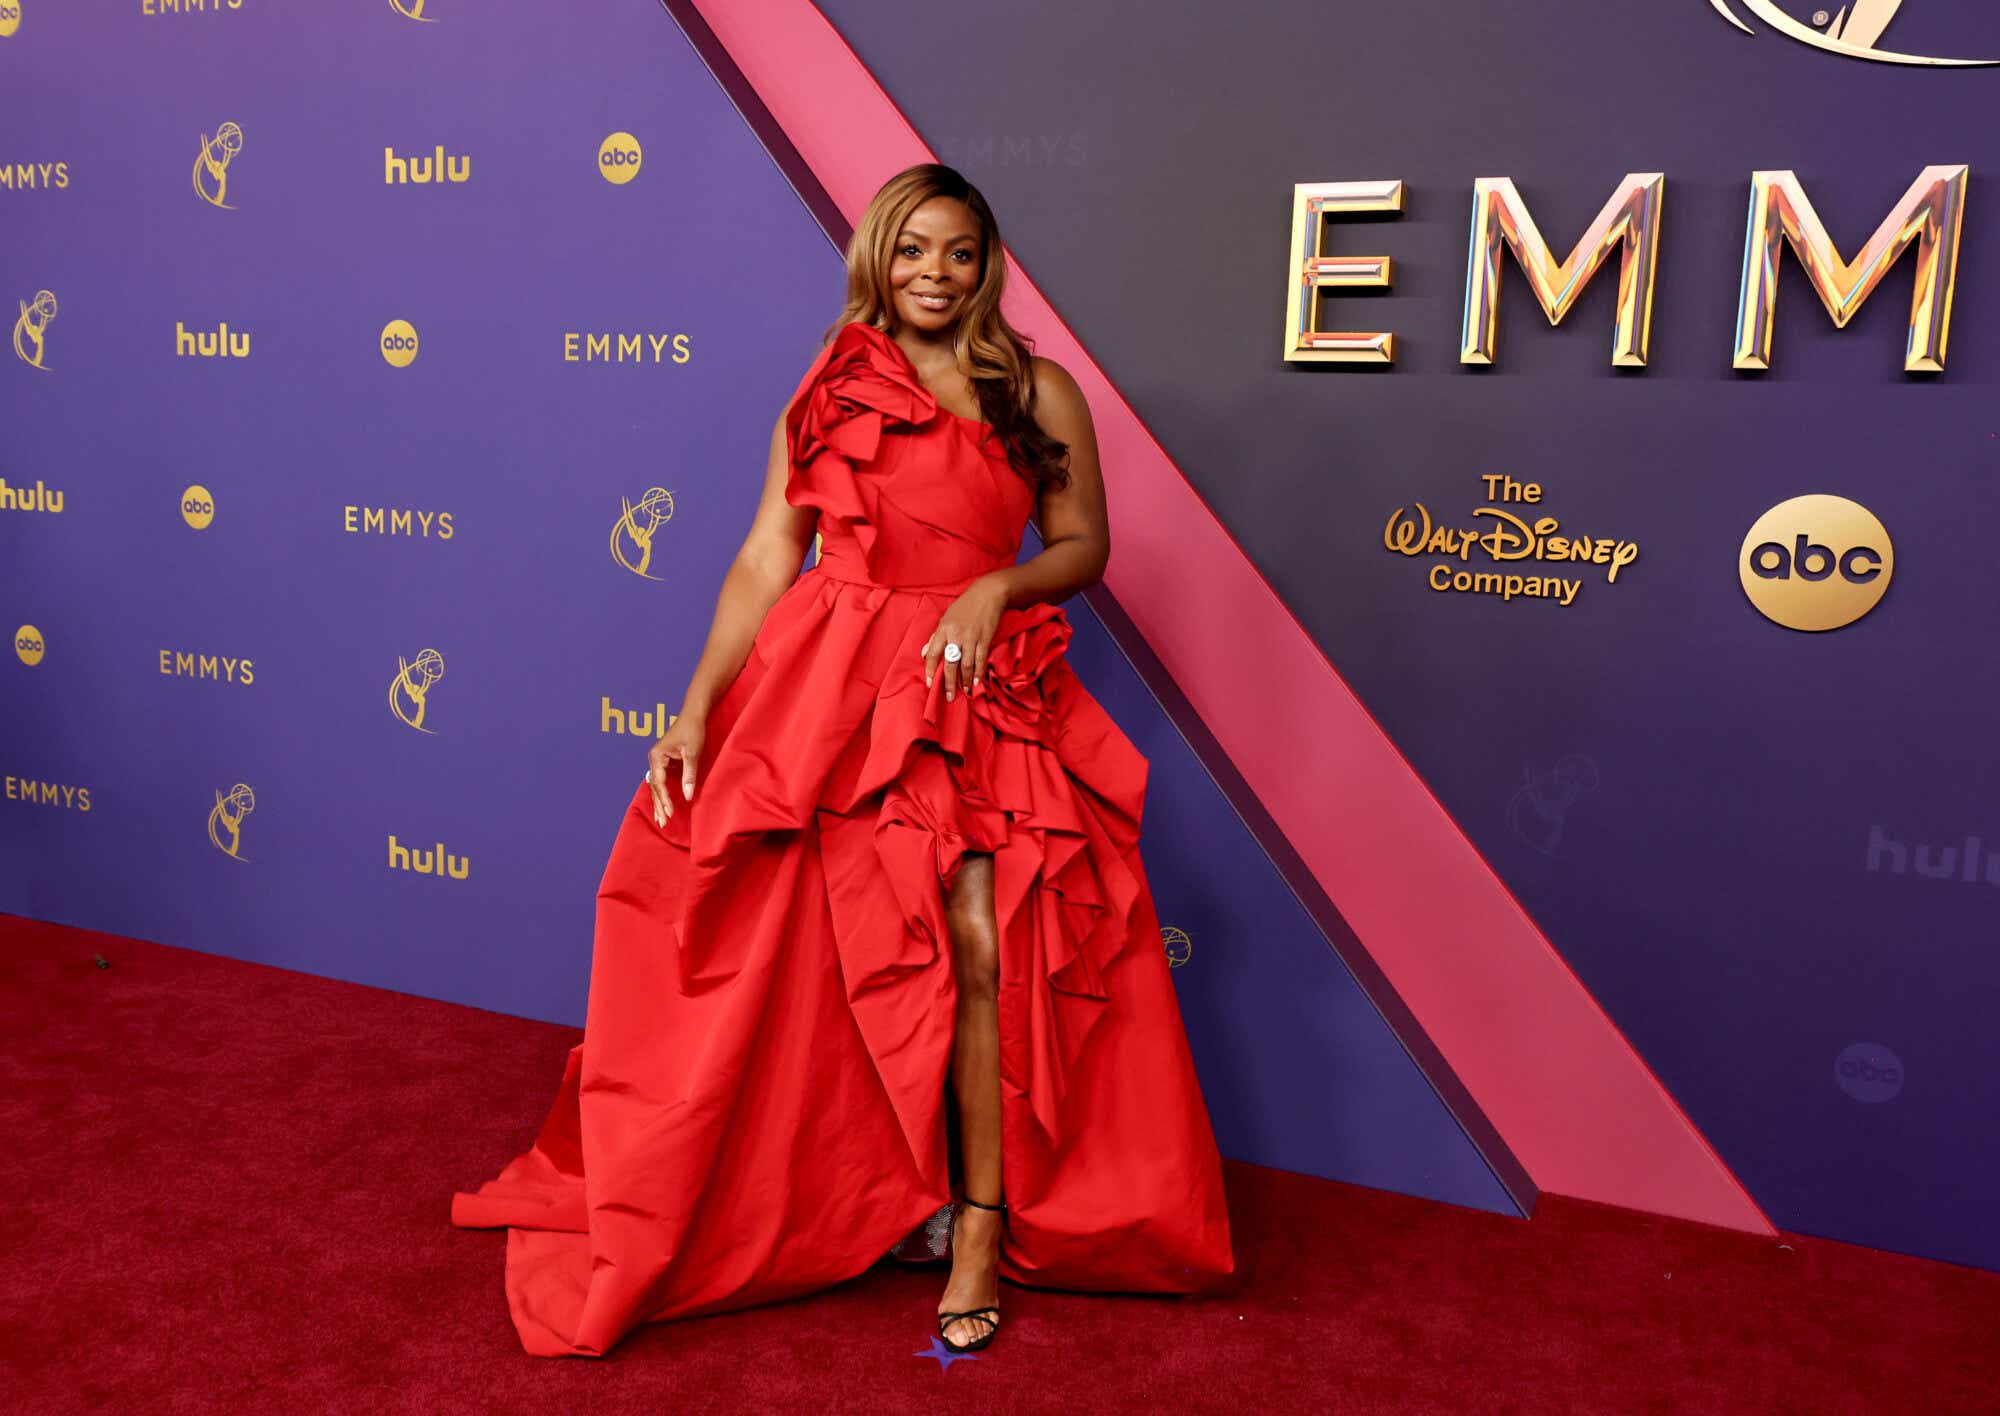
(1059, 399)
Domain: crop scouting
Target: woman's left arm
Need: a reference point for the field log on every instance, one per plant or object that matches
(1076, 534)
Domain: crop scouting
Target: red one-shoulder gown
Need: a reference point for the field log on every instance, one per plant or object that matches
(757, 1108)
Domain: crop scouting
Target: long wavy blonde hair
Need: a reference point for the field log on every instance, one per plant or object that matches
(992, 354)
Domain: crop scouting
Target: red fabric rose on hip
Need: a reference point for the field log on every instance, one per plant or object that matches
(1013, 692)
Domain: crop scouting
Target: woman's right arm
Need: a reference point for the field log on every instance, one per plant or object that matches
(765, 567)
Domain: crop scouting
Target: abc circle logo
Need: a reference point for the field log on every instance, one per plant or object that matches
(10, 17)
(28, 644)
(1816, 562)
(198, 507)
(1868, 1072)
(399, 344)
(617, 157)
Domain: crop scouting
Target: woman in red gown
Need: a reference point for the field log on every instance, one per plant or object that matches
(885, 860)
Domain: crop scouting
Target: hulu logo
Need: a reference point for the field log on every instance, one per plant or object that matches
(424, 171)
(1966, 861)
(633, 723)
(200, 344)
(434, 861)
(38, 498)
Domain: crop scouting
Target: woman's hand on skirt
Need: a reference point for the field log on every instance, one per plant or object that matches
(970, 622)
(680, 743)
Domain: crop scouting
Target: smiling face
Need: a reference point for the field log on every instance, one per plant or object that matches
(935, 264)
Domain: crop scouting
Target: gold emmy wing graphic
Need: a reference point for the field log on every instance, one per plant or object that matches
(226, 820)
(1853, 30)
(211, 165)
(635, 527)
(29, 328)
(409, 691)
(412, 10)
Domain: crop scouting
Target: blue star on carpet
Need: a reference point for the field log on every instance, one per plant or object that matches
(945, 1356)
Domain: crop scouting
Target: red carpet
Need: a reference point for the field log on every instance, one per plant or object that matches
(227, 1190)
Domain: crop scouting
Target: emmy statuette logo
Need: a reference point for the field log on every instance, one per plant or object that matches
(1816, 562)
(409, 690)
(225, 820)
(211, 165)
(412, 10)
(618, 159)
(1853, 30)
(31, 329)
(1540, 806)
(1178, 946)
(198, 507)
(28, 645)
(399, 344)
(632, 533)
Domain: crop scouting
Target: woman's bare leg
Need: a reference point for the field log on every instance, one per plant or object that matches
(975, 1074)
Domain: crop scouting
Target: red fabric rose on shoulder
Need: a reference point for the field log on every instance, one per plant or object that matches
(860, 383)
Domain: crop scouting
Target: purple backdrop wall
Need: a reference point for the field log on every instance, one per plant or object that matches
(512, 449)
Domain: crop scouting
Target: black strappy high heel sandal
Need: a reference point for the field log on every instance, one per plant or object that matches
(989, 1316)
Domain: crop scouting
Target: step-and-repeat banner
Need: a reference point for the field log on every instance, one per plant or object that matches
(389, 388)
